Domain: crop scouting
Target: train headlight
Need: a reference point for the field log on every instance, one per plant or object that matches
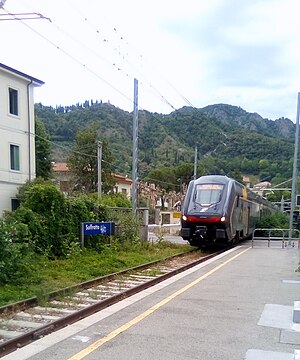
(223, 218)
(184, 218)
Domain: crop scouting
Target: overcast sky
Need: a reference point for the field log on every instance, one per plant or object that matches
(194, 52)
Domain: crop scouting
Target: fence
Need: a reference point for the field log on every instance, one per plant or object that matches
(277, 235)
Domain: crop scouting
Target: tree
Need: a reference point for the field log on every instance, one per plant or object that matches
(84, 161)
(42, 151)
(164, 177)
(108, 181)
(184, 174)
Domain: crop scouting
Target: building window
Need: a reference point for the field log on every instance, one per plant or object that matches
(13, 101)
(14, 157)
(124, 191)
(15, 203)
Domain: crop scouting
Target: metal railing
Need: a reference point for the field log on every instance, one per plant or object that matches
(276, 235)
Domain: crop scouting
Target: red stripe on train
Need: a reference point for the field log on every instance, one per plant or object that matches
(197, 219)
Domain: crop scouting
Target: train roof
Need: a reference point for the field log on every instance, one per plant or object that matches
(225, 180)
(214, 178)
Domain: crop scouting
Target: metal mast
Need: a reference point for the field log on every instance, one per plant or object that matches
(295, 173)
(99, 157)
(195, 162)
(135, 148)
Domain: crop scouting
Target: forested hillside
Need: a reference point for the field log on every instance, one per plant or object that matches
(228, 138)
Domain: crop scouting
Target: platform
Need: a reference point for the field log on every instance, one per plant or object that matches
(239, 305)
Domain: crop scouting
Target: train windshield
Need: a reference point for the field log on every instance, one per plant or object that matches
(208, 194)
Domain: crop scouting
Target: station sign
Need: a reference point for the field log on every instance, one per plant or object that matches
(98, 228)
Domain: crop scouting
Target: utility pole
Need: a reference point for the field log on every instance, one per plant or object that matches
(295, 173)
(195, 162)
(99, 157)
(135, 148)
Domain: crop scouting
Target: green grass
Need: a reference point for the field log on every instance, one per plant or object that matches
(45, 275)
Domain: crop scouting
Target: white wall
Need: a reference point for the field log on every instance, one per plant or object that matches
(15, 130)
(119, 186)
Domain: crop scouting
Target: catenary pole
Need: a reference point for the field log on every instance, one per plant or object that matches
(195, 162)
(295, 173)
(99, 157)
(135, 148)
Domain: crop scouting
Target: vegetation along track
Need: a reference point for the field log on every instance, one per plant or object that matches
(27, 321)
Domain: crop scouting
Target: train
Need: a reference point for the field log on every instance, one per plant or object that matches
(219, 211)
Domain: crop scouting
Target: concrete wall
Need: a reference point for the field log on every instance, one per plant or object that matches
(16, 130)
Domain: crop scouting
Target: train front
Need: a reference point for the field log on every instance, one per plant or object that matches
(203, 217)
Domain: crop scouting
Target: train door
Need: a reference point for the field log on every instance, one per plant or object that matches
(247, 220)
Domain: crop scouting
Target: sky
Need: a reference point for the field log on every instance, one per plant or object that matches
(183, 53)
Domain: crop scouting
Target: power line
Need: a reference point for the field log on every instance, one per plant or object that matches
(76, 60)
(22, 16)
(72, 57)
(65, 148)
(107, 41)
(119, 68)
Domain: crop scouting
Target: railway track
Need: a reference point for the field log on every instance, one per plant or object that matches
(26, 321)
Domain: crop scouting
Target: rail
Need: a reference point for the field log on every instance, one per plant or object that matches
(274, 235)
(24, 322)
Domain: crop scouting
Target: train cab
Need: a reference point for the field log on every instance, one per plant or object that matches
(204, 213)
(219, 210)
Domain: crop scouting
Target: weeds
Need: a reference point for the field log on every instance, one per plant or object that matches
(50, 275)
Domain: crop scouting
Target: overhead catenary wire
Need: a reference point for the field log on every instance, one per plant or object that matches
(81, 63)
(105, 38)
(23, 16)
(150, 85)
(72, 57)
(86, 67)
(65, 148)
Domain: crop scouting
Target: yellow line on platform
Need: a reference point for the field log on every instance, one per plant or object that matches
(148, 312)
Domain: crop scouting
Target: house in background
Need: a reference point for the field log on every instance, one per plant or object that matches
(123, 185)
(259, 188)
(63, 176)
(17, 142)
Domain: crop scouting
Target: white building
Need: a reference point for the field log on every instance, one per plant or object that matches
(63, 176)
(123, 185)
(17, 142)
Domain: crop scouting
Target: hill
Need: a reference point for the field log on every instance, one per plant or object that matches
(221, 132)
(236, 116)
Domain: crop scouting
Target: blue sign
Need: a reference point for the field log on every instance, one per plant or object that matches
(98, 228)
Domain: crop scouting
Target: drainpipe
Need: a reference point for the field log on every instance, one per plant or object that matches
(29, 144)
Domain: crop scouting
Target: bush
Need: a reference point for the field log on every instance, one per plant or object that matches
(277, 220)
(113, 200)
(43, 210)
(15, 254)
(37, 234)
(24, 190)
(49, 204)
(53, 221)
(83, 209)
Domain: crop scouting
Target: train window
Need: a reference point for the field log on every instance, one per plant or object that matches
(207, 194)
